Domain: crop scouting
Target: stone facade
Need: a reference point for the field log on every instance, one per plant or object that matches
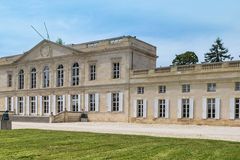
(116, 80)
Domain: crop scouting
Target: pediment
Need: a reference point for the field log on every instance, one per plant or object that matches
(46, 50)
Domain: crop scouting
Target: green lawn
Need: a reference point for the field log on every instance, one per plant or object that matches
(41, 144)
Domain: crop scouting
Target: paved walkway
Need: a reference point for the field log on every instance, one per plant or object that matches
(181, 131)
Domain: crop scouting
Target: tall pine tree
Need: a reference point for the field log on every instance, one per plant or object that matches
(217, 53)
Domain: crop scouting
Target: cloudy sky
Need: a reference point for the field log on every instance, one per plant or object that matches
(174, 26)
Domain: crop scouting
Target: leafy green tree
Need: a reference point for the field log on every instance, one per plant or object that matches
(217, 53)
(185, 58)
(60, 41)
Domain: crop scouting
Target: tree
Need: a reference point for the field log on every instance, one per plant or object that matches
(217, 53)
(60, 41)
(185, 58)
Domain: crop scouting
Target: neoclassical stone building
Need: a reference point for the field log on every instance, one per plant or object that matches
(117, 80)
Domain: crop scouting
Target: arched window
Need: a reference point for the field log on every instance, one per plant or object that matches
(60, 75)
(33, 78)
(46, 77)
(75, 74)
(21, 79)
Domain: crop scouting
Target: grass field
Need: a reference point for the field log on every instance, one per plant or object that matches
(41, 144)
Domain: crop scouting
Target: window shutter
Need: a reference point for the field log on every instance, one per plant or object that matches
(12, 105)
(86, 102)
(6, 103)
(218, 108)
(134, 108)
(16, 105)
(179, 113)
(27, 106)
(191, 114)
(54, 104)
(49, 104)
(36, 104)
(155, 108)
(167, 108)
(109, 102)
(144, 108)
(79, 103)
(121, 102)
(64, 103)
(69, 102)
(204, 108)
(97, 102)
(40, 106)
(232, 108)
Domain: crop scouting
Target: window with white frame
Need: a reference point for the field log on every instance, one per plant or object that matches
(21, 79)
(185, 108)
(20, 104)
(185, 88)
(74, 103)
(60, 75)
(33, 78)
(162, 107)
(139, 108)
(140, 90)
(45, 101)
(9, 80)
(92, 72)
(9, 103)
(211, 87)
(32, 104)
(59, 103)
(211, 108)
(46, 78)
(237, 86)
(237, 108)
(162, 89)
(115, 101)
(75, 74)
(116, 70)
(91, 102)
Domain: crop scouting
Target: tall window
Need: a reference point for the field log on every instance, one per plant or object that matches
(185, 108)
(162, 107)
(92, 103)
(237, 108)
(211, 87)
(75, 103)
(59, 104)
(32, 105)
(9, 103)
(211, 107)
(60, 75)
(185, 88)
(46, 77)
(20, 104)
(33, 78)
(237, 86)
(162, 89)
(75, 74)
(140, 90)
(92, 74)
(9, 80)
(115, 101)
(116, 70)
(139, 108)
(21, 79)
(45, 104)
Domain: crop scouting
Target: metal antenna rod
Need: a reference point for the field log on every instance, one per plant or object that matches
(37, 32)
(48, 37)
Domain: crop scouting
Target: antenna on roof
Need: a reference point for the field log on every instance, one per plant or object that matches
(37, 32)
(48, 37)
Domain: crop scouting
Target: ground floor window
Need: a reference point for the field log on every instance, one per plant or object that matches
(185, 108)
(9, 103)
(237, 106)
(59, 103)
(32, 105)
(140, 108)
(75, 103)
(211, 108)
(162, 107)
(20, 104)
(91, 102)
(115, 101)
(46, 104)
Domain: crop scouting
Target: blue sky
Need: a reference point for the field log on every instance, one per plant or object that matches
(174, 26)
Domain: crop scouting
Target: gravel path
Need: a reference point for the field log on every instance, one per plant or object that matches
(160, 130)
